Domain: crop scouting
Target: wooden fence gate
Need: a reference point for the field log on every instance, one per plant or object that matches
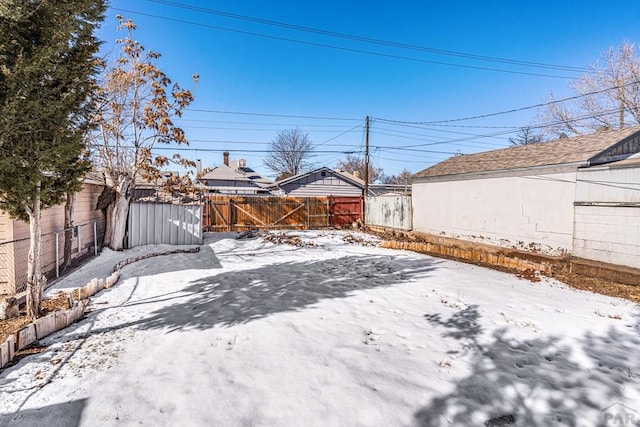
(239, 213)
(344, 211)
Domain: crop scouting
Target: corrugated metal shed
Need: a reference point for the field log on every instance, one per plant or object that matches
(163, 223)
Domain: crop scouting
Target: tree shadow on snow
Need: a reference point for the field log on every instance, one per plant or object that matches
(62, 414)
(535, 382)
(204, 259)
(236, 297)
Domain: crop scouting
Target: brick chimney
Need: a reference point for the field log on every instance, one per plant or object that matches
(225, 157)
(356, 174)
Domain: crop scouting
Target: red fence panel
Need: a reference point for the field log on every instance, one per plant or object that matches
(344, 211)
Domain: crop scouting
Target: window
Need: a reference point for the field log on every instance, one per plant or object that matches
(323, 174)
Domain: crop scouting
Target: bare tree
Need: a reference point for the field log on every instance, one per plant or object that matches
(353, 163)
(526, 136)
(403, 178)
(289, 153)
(608, 96)
(139, 103)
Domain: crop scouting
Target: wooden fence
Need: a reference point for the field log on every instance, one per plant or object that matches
(237, 213)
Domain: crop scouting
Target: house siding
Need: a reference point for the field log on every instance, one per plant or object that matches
(316, 185)
(607, 216)
(531, 212)
(53, 218)
(13, 256)
(6, 230)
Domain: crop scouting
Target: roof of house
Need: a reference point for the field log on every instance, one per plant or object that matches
(339, 173)
(579, 149)
(234, 173)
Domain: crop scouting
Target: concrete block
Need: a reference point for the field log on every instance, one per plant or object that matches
(100, 285)
(93, 286)
(12, 346)
(26, 336)
(69, 316)
(76, 312)
(45, 326)
(61, 319)
(4, 354)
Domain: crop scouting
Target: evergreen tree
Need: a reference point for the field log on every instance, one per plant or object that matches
(47, 69)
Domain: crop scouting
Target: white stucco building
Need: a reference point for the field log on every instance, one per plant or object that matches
(528, 197)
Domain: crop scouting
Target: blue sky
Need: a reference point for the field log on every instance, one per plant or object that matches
(280, 77)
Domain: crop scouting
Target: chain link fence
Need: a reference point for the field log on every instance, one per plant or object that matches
(60, 250)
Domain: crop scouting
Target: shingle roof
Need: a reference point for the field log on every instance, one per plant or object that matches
(224, 172)
(342, 174)
(561, 151)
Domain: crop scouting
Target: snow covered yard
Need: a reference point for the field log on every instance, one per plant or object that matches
(329, 333)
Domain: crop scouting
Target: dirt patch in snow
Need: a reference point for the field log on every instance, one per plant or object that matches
(286, 238)
(48, 305)
(358, 240)
(601, 286)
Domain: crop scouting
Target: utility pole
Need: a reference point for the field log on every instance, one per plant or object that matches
(366, 170)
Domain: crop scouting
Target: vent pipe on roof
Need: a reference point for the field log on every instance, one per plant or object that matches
(225, 158)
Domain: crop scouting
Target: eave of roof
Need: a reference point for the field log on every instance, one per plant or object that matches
(294, 178)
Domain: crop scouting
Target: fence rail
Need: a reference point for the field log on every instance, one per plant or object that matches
(59, 249)
(239, 213)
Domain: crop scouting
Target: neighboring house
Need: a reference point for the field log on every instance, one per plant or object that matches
(13, 256)
(320, 182)
(234, 178)
(523, 197)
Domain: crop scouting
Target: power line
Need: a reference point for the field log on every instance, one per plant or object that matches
(339, 135)
(370, 39)
(219, 150)
(411, 149)
(302, 125)
(346, 49)
(538, 126)
(431, 142)
(304, 128)
(396, 132)
(247, 113)
(515, 110)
